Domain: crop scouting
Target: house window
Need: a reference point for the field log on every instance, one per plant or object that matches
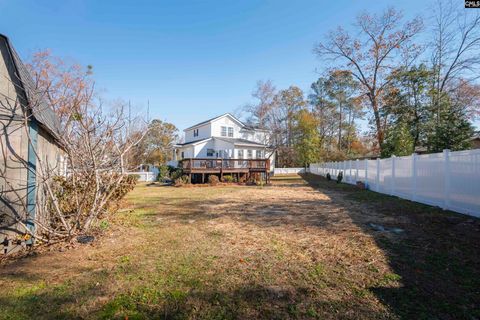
(259, 154)
(183, 154)
(210, 152)
(240, 154)
(249, 154)
(230, 132)
(224, 131)
(195, 132)
(220, 154)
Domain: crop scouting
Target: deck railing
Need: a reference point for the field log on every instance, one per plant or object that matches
(223, 164)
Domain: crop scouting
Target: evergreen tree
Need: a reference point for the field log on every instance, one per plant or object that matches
(449, 128)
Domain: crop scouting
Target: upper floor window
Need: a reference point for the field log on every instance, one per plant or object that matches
(240, 154)
(226, 131)
(259, 154)
(249, 154)
(210, 152)
(195, 132)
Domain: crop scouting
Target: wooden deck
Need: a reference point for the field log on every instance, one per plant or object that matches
(225, 166)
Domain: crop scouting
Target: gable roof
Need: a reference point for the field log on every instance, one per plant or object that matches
(215, 118)
(40, 109)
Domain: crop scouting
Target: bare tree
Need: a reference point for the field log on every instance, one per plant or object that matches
(455, 44)
(94, 142)
(455, 54)
(373, 54)
(260, 111)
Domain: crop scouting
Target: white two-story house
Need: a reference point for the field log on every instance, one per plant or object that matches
(224, 137)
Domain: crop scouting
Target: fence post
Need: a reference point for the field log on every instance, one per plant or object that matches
(350, 171)
(347, 165)
(345, 168)
(392, 184)
(377, 179)
(446, 170)
(356, 170)
(414, 177)
(366, 173)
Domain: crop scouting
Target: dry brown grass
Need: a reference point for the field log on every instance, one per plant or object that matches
(283, 251)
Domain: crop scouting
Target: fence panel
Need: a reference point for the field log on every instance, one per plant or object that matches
(430, 179)
(450, 180)
(277, 171)
(372, 174)
(145, 176)
(404, 177)
(385, 177)
(464, 182)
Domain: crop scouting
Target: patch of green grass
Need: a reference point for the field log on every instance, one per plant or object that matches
(311, 312)
(293, 310)
(317, 272)
(104, 225)
(391, 277)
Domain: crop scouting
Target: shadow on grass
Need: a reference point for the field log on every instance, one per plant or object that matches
(62, 301)
(437, 259)
(249, 302)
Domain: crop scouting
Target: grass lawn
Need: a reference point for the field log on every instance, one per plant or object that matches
(302, 248)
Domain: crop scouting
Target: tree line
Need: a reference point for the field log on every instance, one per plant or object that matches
(416, 87)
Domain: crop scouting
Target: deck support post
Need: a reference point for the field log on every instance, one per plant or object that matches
(203, 177)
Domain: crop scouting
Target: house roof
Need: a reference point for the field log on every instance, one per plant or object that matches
(235, 141)
(215, 118)
(193, 142)
(40, 109)
(243, 142)
(253, 128)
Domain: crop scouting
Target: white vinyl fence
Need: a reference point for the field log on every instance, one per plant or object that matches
(146, 176)
(277, 171)
(450, 180)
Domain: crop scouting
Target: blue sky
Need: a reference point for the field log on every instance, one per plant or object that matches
(191, 59)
